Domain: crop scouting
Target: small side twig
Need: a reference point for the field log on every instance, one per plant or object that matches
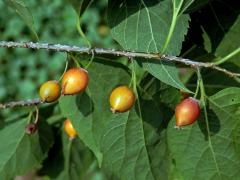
(36, 115)
(22, 103)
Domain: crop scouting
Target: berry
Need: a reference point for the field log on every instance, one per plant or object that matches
(50, 91)
(30, 128)
(121, 99)
(68, 127)
(187, 112)
(74, 81)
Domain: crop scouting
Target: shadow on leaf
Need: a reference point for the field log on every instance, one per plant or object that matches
(84, 104)
(54, 164)
(213, 122)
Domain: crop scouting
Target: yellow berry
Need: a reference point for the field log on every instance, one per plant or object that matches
(121, 99)
(50, 91)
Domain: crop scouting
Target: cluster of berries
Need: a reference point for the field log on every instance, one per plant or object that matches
(121, 99)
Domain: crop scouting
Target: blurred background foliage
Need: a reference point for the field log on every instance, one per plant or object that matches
(22, 71)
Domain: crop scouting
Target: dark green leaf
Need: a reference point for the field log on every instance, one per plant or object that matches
(77, 160)
(221, 27)
(21, 152)
(195, 5)
(213, 84)
(230, 43)
(156, 107)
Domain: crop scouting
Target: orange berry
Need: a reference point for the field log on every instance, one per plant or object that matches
(50, 91)
(68, 127)
(121, 99)
(187, 112)
(74, 81)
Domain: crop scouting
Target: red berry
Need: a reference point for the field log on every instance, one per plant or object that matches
(187, 112)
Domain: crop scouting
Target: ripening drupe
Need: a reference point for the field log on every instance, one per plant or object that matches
(121, 99)
(50, 91)
(31, 128)
(68, 128)
(74, 81)
(187, 112)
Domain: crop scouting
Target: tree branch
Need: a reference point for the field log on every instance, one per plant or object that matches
(128, 54)
(100, 51)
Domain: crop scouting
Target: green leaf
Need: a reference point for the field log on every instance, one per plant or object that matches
(53, 165)
(80, 5)
(144, 26)
(221, 29)
(77, 159)
(124, 147)
(157, 104)
(21, 152)
(210, 150)
(23, 11)
(230, 43)
(155, 138)
(79, 110)
(165, 72)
